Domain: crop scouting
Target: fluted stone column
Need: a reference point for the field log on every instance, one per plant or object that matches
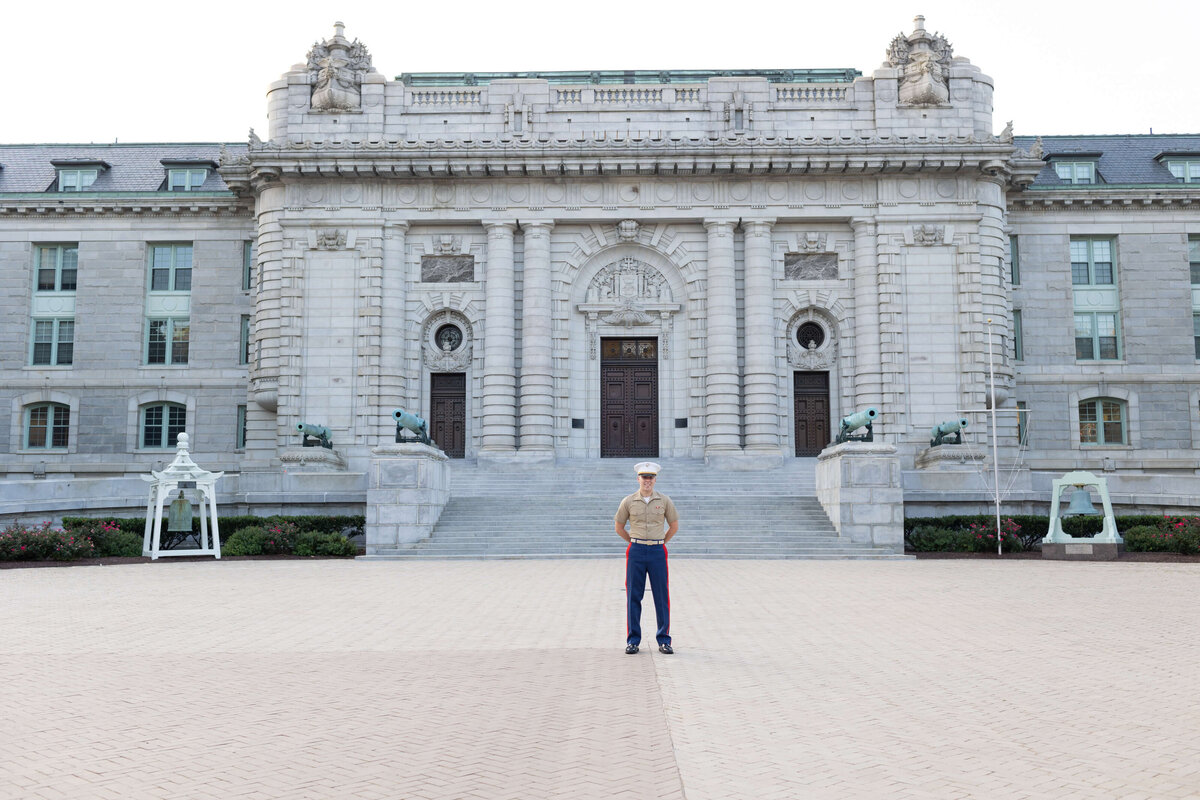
(537, 379)
(723, 396)
(392, 378)
(868, 370)
(499, 418)
(762, 380)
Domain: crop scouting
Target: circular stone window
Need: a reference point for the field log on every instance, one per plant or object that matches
(448, 338)
(810, 335)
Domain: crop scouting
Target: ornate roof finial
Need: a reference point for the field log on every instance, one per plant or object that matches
(918, 23)
(339, 30)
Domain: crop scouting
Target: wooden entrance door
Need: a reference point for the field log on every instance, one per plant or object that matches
(629, 398)
(448, 412)
(811, 412)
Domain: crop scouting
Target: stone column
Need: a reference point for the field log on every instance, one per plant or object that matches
(868, 369)
(537, 379)
(499, 418)
(392, 380)
(723, 396)
(762, 379)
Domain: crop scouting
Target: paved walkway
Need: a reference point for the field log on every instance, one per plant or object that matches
(333, 679)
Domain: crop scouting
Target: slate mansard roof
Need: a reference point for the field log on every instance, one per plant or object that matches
(1122, 159)
(33, 168)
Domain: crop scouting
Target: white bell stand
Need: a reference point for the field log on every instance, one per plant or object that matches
(183, 473)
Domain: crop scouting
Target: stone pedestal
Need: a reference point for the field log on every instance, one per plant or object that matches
(949, 458)
(858, 484)
(408, 485)
(311, 459)
(1083, 551)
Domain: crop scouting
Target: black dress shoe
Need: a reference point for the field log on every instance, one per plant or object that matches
(666, 648)
(630, 649)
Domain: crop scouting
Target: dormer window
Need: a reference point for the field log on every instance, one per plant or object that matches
(1078, 172)
(186, 179)
(76, 180)
(1185, 170)
(77, 175)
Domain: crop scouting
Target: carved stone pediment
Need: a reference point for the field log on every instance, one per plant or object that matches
(335, 70)
(629, 293)
(447, 342)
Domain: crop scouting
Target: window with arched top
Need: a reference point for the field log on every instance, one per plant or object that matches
(161, 424)
(47, 426)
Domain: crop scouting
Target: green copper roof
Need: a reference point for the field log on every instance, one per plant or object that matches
(632, 76)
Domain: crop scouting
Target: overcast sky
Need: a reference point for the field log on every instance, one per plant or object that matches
(197, 72)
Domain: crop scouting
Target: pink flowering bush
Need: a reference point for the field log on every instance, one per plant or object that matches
(1171, 535)
(981, 537)
(42, 542)
(107, 535)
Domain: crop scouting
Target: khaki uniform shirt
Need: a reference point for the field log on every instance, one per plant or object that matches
(646, 519)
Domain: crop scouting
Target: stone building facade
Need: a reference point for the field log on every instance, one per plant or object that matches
(554, 266)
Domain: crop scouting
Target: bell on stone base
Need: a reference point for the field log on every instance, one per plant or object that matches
(1081, 504)
(179, 516)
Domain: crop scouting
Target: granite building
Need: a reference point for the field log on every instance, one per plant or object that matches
(582, 265)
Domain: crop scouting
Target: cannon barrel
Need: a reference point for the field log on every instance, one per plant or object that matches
(408, 421)
(319, 431)
(949, 426)
(858, 420)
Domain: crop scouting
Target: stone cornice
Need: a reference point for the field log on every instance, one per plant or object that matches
(616, 155)
(55, 205)
(1124, 197)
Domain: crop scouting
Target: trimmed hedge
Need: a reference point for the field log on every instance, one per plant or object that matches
(348, 525)
(1032, 528)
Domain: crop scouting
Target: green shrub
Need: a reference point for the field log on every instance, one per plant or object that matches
(108, 536)
(315, 543)
(245, 542)
(1146, 539)
(41, 542)
(929, 539)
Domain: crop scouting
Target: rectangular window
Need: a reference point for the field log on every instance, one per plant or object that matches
(171, 268)
(1096, 337)
(186, 180)
(76, 180)
(1018, 343)
(1102, 422)
(53, 342)
(1091, 262)
(57, 266)
(48, 426)
(1194, 258)
(1196, 333)
(167, 341)
(162, 424)
(1015, 259)
(1185, 170)
(1076, 171)
(241, 428)
(248, 255)
(1022, 423)
(244, 346)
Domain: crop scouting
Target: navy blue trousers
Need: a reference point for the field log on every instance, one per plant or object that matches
(642, 560)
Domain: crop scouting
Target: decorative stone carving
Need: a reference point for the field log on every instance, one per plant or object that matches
(1006, 135)
(445, 352)
(331, 239)
(335, 70)
(812, 243)
(627, 230)
(448, 244)
(810, 357)
(924, 61)
(928, 235)
(629, 293)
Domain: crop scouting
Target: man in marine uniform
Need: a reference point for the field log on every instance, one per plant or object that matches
(647, 511)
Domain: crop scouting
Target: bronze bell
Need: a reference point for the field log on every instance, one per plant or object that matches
(1081, 504)
(179, 516)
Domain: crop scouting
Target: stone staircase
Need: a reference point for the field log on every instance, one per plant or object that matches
(565, 510)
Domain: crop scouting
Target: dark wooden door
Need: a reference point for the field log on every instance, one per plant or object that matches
(811, 412)
(629, 398)
(448, 412)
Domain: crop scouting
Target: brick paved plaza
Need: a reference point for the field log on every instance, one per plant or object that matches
(791, 679)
